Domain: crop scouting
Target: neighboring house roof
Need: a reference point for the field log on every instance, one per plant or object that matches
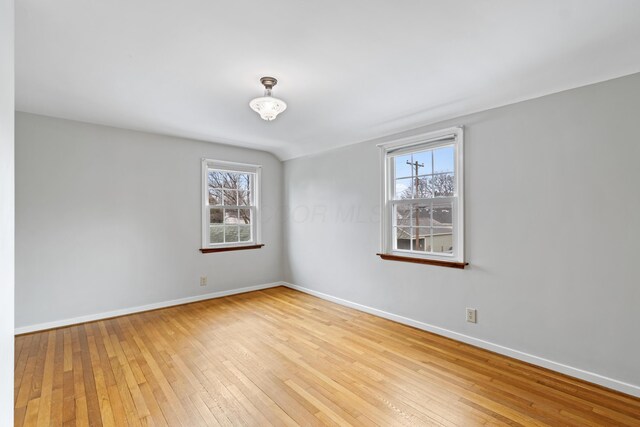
(405, 233)
(423, 222)
(438, 227)
(424, 219)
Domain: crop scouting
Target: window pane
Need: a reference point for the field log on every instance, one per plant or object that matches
(244, 216)
(215, 216)
(443, 229)
(442, 216)
(442, 185)
(215, 196)
(404, 188)
(244, 182)
(443, 240)
(230, 233)
(443, 159)
(402, 169)
(421, 239)
(424, 162)
(231, 216)
(215, 179)
(245, 233)
(231, 197)
(423, 187)
(403, 238)
(421, 216)
(229, 180)
(403, 216)
(216, 233)
(243, 198)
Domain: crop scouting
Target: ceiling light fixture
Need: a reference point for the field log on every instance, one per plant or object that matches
(267, 106)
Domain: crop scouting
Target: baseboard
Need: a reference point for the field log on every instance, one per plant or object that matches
(130, 310)
(592, 377)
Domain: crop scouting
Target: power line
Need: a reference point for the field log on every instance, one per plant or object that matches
(417, 165)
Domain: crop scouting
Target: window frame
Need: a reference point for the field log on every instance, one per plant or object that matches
(426, 141)
(255, 208)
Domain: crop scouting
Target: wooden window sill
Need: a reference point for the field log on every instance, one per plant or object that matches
(230, 248)
(440, 263)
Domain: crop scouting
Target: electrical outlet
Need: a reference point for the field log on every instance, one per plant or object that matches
(203, 280)
(471, 315)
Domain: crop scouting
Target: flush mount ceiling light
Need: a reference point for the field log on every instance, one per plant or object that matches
(267, 106)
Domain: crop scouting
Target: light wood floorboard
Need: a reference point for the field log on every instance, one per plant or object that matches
(281, 357)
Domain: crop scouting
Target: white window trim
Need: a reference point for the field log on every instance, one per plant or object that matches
(428, 140)
(256, 210)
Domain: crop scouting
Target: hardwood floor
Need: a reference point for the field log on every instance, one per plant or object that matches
(281, 357)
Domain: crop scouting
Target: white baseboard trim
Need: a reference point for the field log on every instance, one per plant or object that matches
(592, 377)
(140, 308)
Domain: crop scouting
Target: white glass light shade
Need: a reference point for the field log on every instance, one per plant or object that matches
(268, 107)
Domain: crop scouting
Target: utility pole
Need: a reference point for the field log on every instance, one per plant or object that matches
(416, 165)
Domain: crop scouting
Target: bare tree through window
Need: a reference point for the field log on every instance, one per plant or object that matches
(230, 199)
(230, 189)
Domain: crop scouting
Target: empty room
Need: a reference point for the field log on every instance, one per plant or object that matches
(365, 213)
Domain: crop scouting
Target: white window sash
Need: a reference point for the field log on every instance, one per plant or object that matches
(252, 226)
(453, 202)
(424, 201)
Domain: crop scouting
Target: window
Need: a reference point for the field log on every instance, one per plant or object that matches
(422, 212)
(231, 208)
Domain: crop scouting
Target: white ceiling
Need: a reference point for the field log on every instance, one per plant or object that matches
(349, 70)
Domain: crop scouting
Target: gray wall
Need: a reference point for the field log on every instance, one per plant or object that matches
(6, 212)
(542, 178)
(108, 219)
